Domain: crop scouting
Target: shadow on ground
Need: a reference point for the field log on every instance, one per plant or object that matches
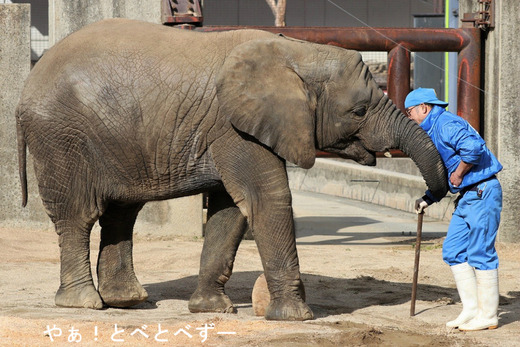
(325, 295)
(332, 230)
(329, 296)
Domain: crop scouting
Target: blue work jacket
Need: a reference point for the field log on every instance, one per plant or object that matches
(456, 140)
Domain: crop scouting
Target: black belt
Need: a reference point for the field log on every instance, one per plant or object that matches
(474, 187)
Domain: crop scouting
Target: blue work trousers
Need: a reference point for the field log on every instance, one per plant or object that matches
(473, 228)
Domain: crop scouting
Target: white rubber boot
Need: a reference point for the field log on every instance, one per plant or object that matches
(487, 318)
(464, 275)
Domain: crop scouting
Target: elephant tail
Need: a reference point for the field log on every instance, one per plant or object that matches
(22, 160)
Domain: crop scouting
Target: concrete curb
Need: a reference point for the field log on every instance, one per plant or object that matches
(370, 184)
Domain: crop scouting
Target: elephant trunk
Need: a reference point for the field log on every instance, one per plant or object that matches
(410, 138)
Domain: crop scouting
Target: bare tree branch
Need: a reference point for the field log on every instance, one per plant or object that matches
(278, 9)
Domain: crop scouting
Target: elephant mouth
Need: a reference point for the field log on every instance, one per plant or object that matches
(355, 151)
(368, 158)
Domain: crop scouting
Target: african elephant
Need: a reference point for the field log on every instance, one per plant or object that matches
(123, 112)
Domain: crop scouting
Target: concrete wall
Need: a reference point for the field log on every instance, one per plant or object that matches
(39, 25)
(15, 62)
(502, 107)
(67, 16)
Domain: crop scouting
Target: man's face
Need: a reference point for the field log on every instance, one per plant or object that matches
(418, 112)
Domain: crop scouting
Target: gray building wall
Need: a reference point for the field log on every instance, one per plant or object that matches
(323, 13)
(67, 16)
(347, 13)
(39, 25)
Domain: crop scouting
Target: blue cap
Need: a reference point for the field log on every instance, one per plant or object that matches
(423, 96)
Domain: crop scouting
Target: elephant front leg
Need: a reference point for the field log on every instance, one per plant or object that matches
(76, 285)
(257, 181)
(223, 233)
(275, 237)
(118, 284)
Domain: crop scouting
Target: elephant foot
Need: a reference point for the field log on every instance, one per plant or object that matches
(261, 296)
(214, 302)
(117, 294)
(288, 309)
(84, 296)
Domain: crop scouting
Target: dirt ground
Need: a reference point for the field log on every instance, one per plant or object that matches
(357, 267)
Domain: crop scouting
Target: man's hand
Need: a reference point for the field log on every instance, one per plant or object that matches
(455, 179)
(457, 175)
(420, 205)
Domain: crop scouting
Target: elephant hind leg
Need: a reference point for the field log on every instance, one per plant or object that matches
(224, 231)
(72, 200)
(76, 285)
(118, 284)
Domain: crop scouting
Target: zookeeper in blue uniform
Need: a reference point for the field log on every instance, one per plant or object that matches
(469, 247)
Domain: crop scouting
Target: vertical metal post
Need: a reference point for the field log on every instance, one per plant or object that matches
(398, 75)
(469, 86)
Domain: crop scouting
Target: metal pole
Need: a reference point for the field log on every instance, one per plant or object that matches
(416, 263)
(398, 75)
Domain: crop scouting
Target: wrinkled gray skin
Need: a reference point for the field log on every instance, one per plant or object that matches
(124, 112)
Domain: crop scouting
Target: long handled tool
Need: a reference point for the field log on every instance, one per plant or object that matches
(416, 263)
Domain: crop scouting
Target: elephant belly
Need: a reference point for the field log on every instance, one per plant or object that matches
(152, 183)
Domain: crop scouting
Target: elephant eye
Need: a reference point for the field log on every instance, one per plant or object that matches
(360, 111)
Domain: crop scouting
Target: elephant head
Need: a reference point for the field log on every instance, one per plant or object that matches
(296, 97)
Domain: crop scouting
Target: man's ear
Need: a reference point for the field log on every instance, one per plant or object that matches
(263, 96)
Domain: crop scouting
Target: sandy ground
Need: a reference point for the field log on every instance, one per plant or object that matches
(356, 262)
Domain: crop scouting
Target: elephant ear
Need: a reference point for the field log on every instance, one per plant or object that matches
(263, 96)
